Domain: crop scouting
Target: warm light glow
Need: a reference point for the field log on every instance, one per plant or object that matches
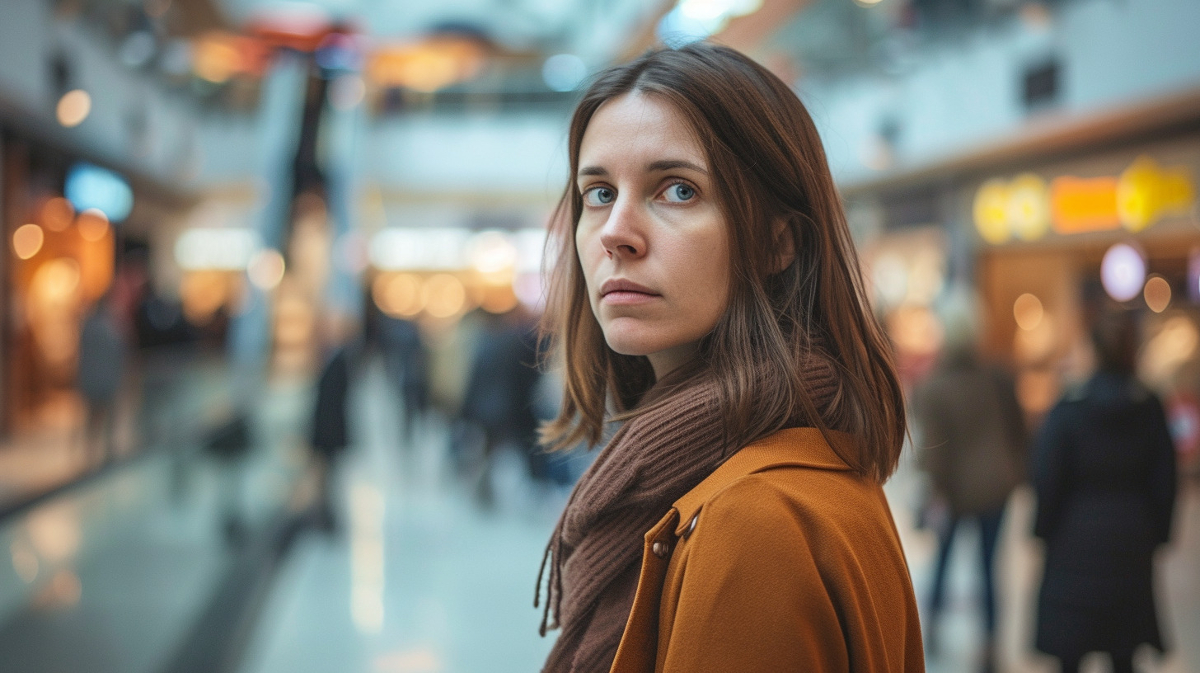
(398, 295)
(498, 299)
(426, 66)
(74, 107)
(1028, 211)
(444, 295)
(202, 293)
(1079, 205)
(27, 240)
(915, 330)
(266, 269)
(1027, 310)
(1147, 192)
(1157, 294)
(55, 533)
(1122, 272)
(216, 59)
(57, 214)
(93, 225)
(1174, 344)
(991, 211)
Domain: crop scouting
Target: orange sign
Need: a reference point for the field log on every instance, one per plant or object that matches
(1080, 204)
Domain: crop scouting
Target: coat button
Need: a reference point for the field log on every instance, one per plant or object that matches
(660, 549)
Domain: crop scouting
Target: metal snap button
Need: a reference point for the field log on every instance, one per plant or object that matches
(691, 526)
(660, 549)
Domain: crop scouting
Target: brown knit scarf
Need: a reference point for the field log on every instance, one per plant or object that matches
(595, 551)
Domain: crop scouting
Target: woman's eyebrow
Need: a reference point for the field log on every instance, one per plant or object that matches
(671, 164)
(652, 167)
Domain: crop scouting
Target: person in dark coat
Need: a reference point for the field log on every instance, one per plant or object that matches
(329, 432)
(499, 394)
(407, 361)
(974, 449)
(1104, 473)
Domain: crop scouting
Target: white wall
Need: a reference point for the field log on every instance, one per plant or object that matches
(172, 152)
(965, 93)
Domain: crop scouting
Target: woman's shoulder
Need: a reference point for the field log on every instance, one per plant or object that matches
(800, 494)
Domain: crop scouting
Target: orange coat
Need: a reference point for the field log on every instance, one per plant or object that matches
(781, 560)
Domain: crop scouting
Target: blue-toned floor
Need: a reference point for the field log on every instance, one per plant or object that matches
(417, 577)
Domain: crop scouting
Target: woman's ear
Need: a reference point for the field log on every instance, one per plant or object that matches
(784, 245)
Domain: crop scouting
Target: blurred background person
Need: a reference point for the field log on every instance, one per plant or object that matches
(330, 433)
(1104, 473)
(499, 398)
(100, 371)
(406, 359)
(973, 447)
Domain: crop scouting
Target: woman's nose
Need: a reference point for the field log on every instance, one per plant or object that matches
(624, 233)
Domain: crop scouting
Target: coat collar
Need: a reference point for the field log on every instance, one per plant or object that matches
(790, 447)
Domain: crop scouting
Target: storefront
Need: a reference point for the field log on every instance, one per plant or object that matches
(1057, 239)
(75, 232)
(1041, 230)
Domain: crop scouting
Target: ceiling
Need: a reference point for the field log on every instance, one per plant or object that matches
(595, 30)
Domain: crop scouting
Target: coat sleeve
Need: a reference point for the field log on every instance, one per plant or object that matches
(752, 599)
(1051, 471)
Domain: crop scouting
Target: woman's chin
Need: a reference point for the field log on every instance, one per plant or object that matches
(632, 345)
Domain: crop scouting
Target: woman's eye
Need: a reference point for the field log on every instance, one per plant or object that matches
(680, 192)
(599, 196)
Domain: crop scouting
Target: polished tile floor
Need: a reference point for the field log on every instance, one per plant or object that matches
(417, 577)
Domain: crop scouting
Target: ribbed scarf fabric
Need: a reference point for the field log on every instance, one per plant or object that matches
(595, 551)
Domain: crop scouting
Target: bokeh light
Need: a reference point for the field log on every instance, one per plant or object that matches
(27, 240)
(444, 295)
(93, 225)
(398, 295)
(1123, 271)
(73, 108)
(266, 269)
(1028, 312)
(57, 214)
(1157, 294)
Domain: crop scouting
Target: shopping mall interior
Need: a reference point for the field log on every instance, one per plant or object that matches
(220, 215)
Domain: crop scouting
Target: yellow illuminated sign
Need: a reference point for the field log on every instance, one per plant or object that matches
(1026, 207)
(1146, 193)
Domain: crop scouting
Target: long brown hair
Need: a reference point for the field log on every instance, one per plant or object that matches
(772, 181)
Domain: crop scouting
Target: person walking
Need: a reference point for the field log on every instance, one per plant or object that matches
(329, 427)
(100, 370)
(1104, 473)
(975, 451)
(708, 297)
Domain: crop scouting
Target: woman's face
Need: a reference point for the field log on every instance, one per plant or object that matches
(651, 240)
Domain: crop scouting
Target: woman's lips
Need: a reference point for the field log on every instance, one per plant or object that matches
(627, 298)
(623, 292)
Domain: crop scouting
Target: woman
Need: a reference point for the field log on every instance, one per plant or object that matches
(708, 292)
(1104, 472)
